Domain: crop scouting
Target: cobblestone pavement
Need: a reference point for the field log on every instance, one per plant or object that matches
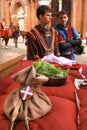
(22, 50)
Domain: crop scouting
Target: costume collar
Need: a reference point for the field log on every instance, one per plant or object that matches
(40, 27)
(62, 26)
(44, 30)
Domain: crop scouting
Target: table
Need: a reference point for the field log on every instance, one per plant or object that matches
(8, 63)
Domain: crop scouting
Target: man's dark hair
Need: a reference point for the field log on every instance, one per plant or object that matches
(41, 10)
(62, 12)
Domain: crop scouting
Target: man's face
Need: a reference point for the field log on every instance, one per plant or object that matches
(46, 19)
(63, 19)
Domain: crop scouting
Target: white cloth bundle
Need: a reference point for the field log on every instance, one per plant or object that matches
(60, 60)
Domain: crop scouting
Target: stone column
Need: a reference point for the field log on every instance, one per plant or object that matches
(0, 28)
(60, 5)
(73, 12)
(84, 19)
(2, 15)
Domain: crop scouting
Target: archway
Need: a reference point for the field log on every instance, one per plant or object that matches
(20, 17)
(17, 12)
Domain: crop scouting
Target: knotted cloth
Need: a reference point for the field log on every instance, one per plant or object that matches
(37, 105)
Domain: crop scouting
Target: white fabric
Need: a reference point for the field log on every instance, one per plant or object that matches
(60, 60)
(26, 92)
(79, 82)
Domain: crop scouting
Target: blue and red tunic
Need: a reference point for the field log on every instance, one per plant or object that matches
(67, 33)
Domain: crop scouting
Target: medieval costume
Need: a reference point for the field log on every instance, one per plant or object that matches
(41, 41)
(69, 39)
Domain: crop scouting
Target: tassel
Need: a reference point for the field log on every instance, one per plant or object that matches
(11, 126)
(27, 125)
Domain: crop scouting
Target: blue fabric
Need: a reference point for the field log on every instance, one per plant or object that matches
(73, 56)
(63, 32)
(75, 34)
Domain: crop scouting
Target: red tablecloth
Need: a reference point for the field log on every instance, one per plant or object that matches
(63, 115)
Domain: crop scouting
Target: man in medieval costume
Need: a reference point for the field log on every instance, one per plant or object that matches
(43, 38)
(69, 38)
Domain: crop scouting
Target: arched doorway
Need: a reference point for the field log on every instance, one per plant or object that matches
(20, 18)
(18, 14)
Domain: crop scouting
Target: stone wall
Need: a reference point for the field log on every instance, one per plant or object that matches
(76, 9)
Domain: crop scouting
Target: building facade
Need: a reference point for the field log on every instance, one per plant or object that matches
(23, 12)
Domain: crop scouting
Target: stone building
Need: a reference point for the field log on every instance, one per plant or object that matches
(23, 12)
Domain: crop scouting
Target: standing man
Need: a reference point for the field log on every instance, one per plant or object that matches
(69, 39)
(42, 39)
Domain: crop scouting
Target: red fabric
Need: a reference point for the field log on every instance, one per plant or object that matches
(82, 95)
(69, 32)
(64, 91)
(5, 83)
(5, 32)
(63, 115)
(75, 73)
(74, 66)
(84, 66)
(13, 86)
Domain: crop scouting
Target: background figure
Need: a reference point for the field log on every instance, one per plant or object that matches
(15, 35)
(69, 39)
(42, 39)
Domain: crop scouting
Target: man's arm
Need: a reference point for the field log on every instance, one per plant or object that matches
(31, 47)
(75, 42)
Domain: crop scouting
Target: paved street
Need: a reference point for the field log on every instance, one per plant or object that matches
(22, 49)
(83, 57)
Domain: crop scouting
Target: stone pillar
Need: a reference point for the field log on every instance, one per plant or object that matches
(73, 12)
(0, 10)
(60, 5)
(77, 15)
(32, 14)
(84, 20)
(0, 29)
(2, 14)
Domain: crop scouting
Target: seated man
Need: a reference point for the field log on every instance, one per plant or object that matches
(69, 39)
(42, 39)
